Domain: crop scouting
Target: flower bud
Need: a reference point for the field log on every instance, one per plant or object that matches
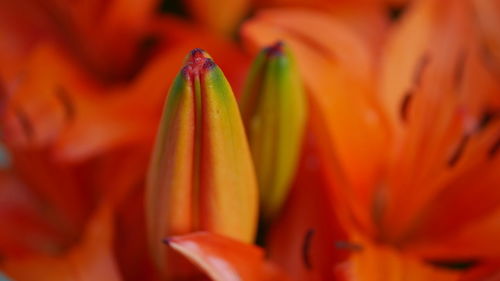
(273, 108)
(201, 175)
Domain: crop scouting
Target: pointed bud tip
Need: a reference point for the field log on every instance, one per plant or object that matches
(197, 62)
(276, 49)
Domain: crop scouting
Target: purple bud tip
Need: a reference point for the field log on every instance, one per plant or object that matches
(275, 50)
(197, 63)
(166, 241)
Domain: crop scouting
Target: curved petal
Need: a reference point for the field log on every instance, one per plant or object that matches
(302, 239)
(221, 16)
(488, 271)
(90, 260)
(377, 263)
(22, 212)
(225, 259)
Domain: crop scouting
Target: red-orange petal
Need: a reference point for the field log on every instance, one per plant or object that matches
(225, 259)
(90, 260)
(302, 239)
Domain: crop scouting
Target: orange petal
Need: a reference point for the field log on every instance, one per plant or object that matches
(224, 259)
(130, 247)
(57, 185)
(302, 239)
(52, 97)
(22, 212)
(435, 93)
(377, 263)
(221, 16)
(90, 260)
(487, 271)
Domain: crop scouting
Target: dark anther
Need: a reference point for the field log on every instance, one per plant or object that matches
(485, 120)
(405, 104)
(176, 7)
(494, 149)
(419, 69)
(3, 97)
(457, 154)
(166, 241)
(454, 265)
(26, 124)
(489, 60)
(394, 12)
(346, 245)
(306, 249)
(67, 103)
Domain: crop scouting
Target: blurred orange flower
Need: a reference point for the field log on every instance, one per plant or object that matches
(397, 174)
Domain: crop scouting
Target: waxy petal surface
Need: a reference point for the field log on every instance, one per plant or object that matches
(302, 239)
(221, 16)
(224, 259)
(90, 260)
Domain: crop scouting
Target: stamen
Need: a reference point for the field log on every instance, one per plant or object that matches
(28, 129)
(457, 154)
(350, 246)
(3, 97)
(494, 149)
(405, 104)
(454, 265)
(306, 248)
(166, 241)
(67, 103)
(459, 70)
(419, 70)
(489, 60)
(486, 119)
(394, 12)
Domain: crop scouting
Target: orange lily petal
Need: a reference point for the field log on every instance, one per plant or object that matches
(221, 16)
(488, 271)
(130, 247)
(435, 94)
(224, 259)
(22, 212)
(90, 260)
(377, 263)
(302, 239)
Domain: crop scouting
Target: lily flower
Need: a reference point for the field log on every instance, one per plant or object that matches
(406, 161)
(387, 165)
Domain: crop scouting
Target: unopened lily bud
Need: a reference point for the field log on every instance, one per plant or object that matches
(273, 108)
(201, 175)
